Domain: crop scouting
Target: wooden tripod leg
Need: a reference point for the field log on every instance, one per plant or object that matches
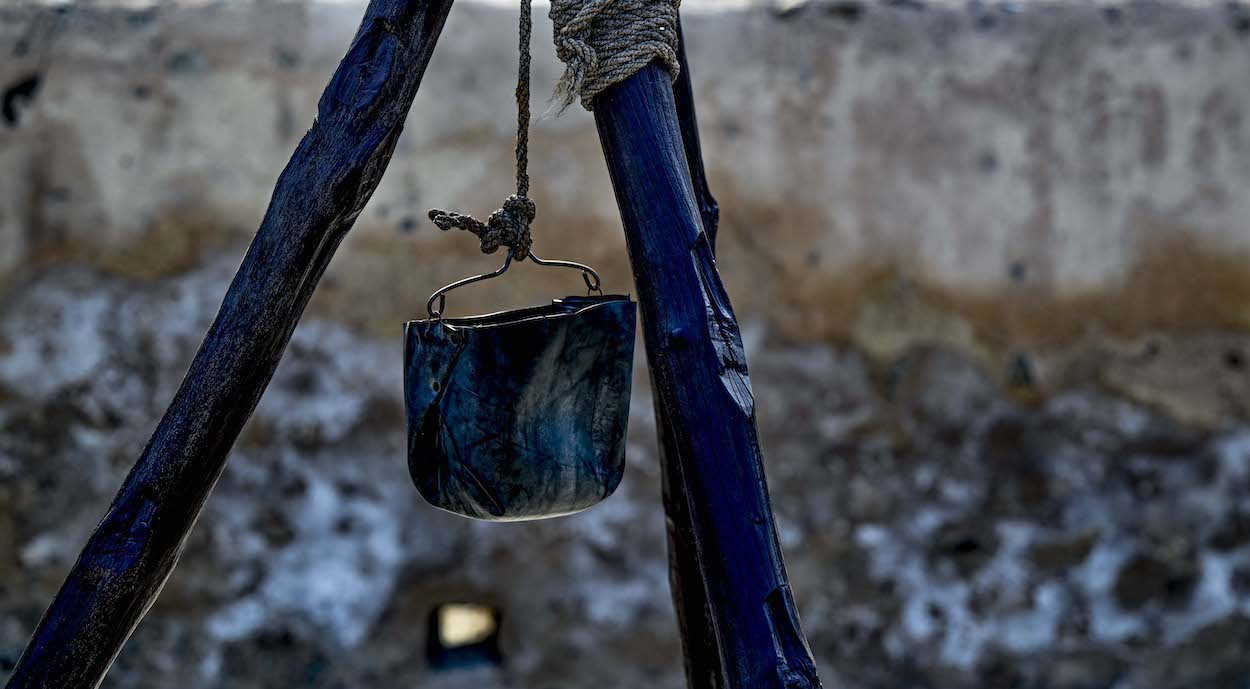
(694, 349)
(694, 620)
(683, 98)
(324, 187)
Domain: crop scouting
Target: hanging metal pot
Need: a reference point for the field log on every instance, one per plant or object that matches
(520, 414)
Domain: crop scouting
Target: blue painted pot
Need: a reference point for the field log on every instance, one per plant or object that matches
(521, 414)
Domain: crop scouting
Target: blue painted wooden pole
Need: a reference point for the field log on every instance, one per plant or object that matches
(324, 187)
(688, 122)
(702, 388)
(694, 621)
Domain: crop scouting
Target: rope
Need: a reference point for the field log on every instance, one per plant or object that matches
(602, 42)
(510, 225)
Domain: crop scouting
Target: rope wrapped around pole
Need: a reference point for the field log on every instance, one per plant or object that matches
(603, 42)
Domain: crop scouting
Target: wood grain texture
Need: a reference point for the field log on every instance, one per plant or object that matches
(694, 621)
(324, 187)
(702, 388)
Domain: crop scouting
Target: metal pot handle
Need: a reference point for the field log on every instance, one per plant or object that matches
(589, 276)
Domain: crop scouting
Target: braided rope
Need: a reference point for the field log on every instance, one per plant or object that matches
(510, 225)
(602, 42)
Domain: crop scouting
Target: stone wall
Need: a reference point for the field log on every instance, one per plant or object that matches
(993, 264)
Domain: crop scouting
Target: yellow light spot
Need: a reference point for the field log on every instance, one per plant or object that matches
(463, 624)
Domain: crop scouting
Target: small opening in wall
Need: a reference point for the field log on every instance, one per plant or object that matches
(463, 635)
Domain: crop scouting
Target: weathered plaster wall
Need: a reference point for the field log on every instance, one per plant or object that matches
(1029, 179)
(993, 264)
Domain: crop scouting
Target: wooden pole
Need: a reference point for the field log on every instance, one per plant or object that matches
(698, 638)
(331, 175)
(702, 389)
(683, 98)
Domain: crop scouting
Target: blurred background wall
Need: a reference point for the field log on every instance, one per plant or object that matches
(992, 261)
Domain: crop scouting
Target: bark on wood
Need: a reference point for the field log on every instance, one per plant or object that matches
(324, 187)
(702, 388)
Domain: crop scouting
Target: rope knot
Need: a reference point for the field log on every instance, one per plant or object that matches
(509, 226)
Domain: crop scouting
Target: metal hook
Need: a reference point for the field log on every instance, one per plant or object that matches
(441, 294)
(587, 271)
(442, 300)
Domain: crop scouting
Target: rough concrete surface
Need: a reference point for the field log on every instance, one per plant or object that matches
(993, 263)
